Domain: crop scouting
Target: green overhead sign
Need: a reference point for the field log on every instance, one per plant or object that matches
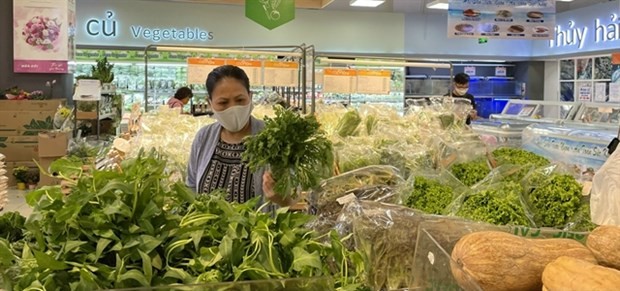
(270, 13)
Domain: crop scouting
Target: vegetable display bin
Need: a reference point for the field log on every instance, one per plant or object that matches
(499, 133)
(437, 238)
(309, 284)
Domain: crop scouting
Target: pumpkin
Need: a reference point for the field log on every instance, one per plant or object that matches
(604, 242)
(493, 260)
(567, 274)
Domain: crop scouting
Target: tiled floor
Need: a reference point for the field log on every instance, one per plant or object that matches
(17, 202)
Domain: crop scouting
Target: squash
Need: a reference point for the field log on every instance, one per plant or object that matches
(566, 274)
(494, 260)
(604, 242)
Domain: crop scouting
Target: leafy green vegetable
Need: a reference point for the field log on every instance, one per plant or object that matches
(582, 221)
(294, 147)
(472, 172)
(556, 200)
(430, 196)
(133, 228)
(500, 205)
(11, 226)
(37, 126)
(518, 157)
(348, 123)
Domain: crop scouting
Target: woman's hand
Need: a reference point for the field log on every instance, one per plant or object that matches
(270, 194)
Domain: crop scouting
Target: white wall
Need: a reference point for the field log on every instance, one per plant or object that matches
(552, 81)
(329, 31)
(426, 35)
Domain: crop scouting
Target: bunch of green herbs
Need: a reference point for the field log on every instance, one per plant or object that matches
(295, 149)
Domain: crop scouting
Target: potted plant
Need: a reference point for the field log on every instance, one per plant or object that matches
(103, 72)
(32, 178)
(21, 175)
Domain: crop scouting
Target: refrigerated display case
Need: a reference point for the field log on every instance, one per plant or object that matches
(530, 111)
(596, 116)
(499, 133)
(584, 150)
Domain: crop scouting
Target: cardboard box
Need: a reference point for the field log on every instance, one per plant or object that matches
(53, 144)
(44, 179)
(25, 122)
(12, 165)
(19, 148)
(31, 105)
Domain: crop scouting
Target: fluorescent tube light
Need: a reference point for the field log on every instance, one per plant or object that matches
(438, 4)
(366, 3)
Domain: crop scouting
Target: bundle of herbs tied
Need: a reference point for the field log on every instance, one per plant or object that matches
(296, 150)
(133, 228)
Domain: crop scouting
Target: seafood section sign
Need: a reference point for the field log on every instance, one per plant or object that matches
(507, 19)
(43, 36)
(270, 13)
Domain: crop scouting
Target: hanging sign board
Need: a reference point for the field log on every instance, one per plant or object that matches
(339, 80)
(199, 68)
(43, 36)
(373, 81)
(252, 68)
(285, 74)
(522, 19)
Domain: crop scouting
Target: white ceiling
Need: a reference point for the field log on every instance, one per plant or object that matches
(417, 6)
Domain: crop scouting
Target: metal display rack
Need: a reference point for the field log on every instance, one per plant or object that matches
(379, 63)
(298, 53)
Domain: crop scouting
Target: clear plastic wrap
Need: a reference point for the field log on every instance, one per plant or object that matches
(555, 199)
(172, 134)
(432, 192)
(499, 203)
(386, 236)
(375, 183)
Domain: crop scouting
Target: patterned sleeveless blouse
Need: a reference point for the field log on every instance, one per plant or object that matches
(226, 171)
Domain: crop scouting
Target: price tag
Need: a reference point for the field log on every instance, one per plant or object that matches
(346, 199)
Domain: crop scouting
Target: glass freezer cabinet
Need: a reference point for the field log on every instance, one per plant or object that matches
(596, 116)
(530, 111)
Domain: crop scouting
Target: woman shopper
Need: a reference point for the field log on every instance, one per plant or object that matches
(180, 98)
(215, 161)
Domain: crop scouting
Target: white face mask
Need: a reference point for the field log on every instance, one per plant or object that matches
(460, 91)
(234, 118)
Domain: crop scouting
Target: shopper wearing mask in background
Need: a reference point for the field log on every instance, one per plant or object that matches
(215, 161)
(180, 98)
(459, 90)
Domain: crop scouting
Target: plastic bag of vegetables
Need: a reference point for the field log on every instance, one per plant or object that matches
(432, 192)
(554, 196)
(499, 203)
(375, 183)
(385, 235)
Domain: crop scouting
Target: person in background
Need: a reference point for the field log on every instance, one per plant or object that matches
(459, 90)
(180, 98)
(215, 161)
